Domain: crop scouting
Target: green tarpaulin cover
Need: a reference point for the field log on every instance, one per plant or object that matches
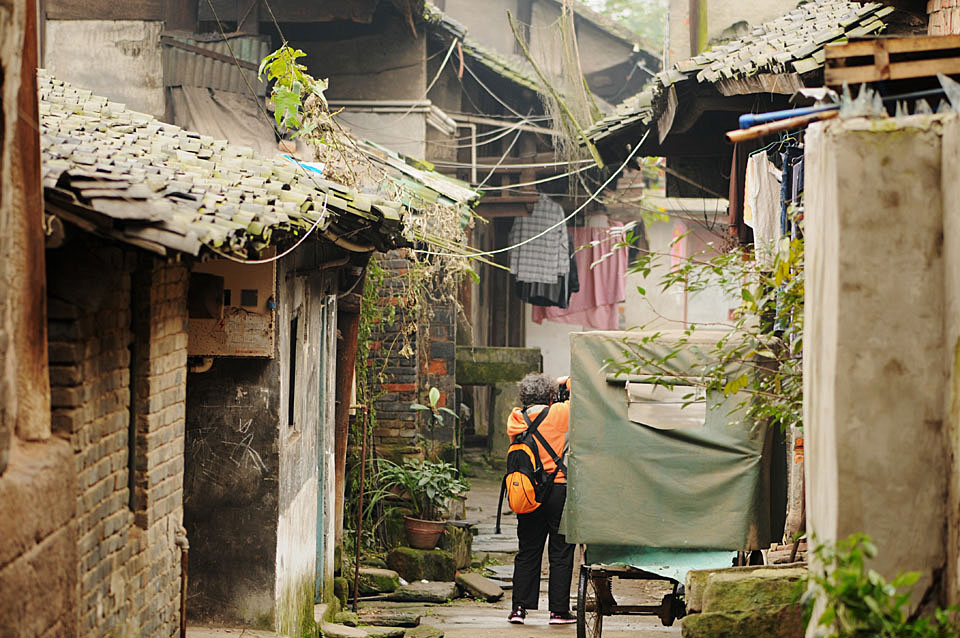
(673, 483)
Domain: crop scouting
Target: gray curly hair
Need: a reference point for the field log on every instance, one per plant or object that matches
(537, 389)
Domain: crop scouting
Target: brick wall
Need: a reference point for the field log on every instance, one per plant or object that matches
(407, 379)
(117, 330)
(396, 431)
(944, 17)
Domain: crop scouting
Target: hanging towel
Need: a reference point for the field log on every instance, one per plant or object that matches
(602, 283)
(761, 205)
(544, 259)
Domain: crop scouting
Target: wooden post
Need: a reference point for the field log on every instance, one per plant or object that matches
(348, 324)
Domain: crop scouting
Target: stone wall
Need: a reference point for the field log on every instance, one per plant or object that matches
(408, 377)
(117, 329)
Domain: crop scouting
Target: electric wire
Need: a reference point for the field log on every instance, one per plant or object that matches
(562, 222)
(537, 181)
(500, 161)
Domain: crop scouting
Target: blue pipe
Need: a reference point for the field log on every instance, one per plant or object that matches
(752, 119)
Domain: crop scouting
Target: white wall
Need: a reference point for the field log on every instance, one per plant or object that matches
(118, 59)
(673, 308)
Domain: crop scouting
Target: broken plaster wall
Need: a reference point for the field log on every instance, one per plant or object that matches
(257, 472)
(119, 59)
(874, 347)
(305, 530)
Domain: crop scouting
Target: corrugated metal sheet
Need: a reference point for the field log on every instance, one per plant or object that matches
(185, 68)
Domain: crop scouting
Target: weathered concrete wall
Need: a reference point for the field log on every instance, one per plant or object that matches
(118, 352)
(120, 59)
(230, 492)
(397, 131)
(874, 382)
(388, 65)
(489, 26)
(951, 256)
(301, 436)
(260, 465)
(721, 18)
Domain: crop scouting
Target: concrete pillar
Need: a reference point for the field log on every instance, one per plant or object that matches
(951, 256)
(874, 382)
(506, 396)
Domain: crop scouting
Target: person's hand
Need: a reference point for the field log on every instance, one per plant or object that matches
(564, 381)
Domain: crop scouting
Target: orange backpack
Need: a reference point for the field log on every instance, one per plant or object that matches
(525, 484)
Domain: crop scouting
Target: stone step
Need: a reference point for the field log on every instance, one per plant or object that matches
(428, 592)
(333, 630)
(479, 587)
(388, 617)
(385, 632)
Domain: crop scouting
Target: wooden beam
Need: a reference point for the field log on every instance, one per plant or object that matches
(105, 10)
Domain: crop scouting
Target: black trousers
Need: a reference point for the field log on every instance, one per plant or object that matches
(532, 530)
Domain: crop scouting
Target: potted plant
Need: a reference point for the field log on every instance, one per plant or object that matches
(426, 485)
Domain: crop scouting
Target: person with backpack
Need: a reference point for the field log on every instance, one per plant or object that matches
(536, 484)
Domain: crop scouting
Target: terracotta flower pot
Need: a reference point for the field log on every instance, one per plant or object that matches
(423, 534)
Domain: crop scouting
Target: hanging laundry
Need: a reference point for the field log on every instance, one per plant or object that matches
(555, 294)
(544, 259)
(761, 205)
(602, 271)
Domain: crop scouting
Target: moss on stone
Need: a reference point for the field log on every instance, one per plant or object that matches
(459, 542)
(777, 622)
(295, 609)
(420, 564)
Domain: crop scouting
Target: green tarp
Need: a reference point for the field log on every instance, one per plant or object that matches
(720, 485)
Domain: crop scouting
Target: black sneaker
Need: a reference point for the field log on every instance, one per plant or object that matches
(518, 615)
(562, 618)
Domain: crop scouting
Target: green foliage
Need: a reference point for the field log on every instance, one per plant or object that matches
(291, 85)
(759, 358)
(436, 420)
(860, 603)
(424, 485)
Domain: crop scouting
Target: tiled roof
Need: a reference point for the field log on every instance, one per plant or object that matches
(793, 43)
(129, 176)
(513, 68)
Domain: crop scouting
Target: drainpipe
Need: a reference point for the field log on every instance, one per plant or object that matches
(184, 545)
(473, 148)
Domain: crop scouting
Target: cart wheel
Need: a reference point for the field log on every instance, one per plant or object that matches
(671, 608)
(589, 618)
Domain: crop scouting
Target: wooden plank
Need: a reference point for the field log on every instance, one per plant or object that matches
(892, 45)
(104, 10)
(896, 71)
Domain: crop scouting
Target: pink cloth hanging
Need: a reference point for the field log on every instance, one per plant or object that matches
(602, 287)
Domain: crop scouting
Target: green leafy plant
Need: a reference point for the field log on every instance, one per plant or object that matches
(291, 86)
(759, 355)
(436, 419)
(424, 485)
(860, 603)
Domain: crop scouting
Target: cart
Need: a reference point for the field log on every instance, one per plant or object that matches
(658, 486)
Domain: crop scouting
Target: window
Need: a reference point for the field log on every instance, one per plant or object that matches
(292, 385)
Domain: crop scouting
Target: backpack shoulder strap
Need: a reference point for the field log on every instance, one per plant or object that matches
(533, 425)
